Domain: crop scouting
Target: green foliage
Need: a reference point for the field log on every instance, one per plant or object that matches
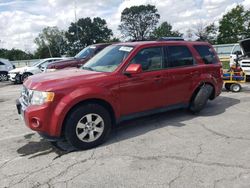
(138, 22)
(165, 30)
(51, 42)
(234, 26)
(206, 33)
(14, 54)
(86, 32)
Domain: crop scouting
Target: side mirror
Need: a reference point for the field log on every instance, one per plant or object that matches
(133, 69)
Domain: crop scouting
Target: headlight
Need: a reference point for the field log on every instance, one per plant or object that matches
(41, 97)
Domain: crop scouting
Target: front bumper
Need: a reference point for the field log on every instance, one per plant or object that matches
(14, 77)
(37, 118)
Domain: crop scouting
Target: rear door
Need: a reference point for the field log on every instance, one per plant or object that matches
(181, 70)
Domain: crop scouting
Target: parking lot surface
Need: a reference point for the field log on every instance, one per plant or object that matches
(173, 149)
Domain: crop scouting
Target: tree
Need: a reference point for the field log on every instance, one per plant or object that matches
(166, 30)
(234, 25)
(138, 22)
(206, 33)
(15, 54)
(86, 32)
(51, 42)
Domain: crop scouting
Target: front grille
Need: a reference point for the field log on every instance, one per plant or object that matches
(245, 62)
(245, 66)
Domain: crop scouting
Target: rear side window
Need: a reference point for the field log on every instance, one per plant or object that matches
(207, 54)
(179, 56)
(1, 63)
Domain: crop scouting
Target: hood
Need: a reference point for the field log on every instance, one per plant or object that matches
(63, 79)
(245, 45)
(17, 70)
(66, 61)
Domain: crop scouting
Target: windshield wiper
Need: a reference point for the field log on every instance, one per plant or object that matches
(88, 68)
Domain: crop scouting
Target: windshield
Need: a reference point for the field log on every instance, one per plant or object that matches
(36, 63)
(108, 59)
(85, 52)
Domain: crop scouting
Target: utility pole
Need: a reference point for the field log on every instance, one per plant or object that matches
(77, 34)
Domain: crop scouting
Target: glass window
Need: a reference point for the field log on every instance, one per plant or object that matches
(180, 56)
(149, 58)
(108, 59)
(1, 63)
(86, 52)
(207, 54)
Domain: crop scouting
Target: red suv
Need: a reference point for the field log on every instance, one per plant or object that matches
(80, 59)
(123, 81)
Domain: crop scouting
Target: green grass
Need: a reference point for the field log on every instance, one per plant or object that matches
(225, 65)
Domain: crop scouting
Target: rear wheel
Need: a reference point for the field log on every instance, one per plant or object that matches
(3, 76)
(200, 99)
(227, 86)
(235, 87)
(87, 126)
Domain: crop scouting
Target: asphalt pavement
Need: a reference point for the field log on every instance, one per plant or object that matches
(173, 149)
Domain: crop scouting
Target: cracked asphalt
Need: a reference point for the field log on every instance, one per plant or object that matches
(173, 149)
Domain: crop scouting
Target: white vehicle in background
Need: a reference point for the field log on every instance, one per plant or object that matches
(5, 67)
(18, 75)
(243, 50)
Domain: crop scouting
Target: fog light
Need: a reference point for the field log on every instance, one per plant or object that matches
(35, 122)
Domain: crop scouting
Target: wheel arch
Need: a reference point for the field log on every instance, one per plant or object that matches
(99, 101)
(212, 95)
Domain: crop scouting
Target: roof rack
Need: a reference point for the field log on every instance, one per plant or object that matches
(170, 39)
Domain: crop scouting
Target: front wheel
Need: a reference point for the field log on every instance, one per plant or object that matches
(87, 126)
(25, 76)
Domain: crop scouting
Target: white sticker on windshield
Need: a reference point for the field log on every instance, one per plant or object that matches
(93, 47)
(126, 48)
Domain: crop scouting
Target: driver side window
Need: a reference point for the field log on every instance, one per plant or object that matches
(150, 58)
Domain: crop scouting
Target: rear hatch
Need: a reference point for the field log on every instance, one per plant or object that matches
(245, 45)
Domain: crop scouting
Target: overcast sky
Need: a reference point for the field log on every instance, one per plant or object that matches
(22, 20)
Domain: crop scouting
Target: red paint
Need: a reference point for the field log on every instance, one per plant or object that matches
(126, 93)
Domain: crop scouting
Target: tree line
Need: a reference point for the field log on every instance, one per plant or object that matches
(137, 23)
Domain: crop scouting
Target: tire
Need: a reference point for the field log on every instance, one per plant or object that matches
(200, 99)
(235, 87)
(227, 86)
(3, 76)
(80, 129)
(25, 76)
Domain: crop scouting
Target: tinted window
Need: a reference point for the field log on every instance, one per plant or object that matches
(206, 53)
(108, 59)
(180, 56)
(149, 58)
(1, 63)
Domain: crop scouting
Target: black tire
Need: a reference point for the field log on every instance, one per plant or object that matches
(199, 101)
(235, 87)
(78, 115)
(227, 86)
(25, 76)
(3, 76)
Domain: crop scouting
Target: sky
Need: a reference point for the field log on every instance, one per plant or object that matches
(22, 20)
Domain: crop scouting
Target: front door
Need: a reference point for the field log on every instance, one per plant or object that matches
(143, 91)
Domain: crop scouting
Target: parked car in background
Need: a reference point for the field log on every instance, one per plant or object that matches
(18, 75)
(5, 67)
(124, 81)
(243, 50)
(80, 59)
